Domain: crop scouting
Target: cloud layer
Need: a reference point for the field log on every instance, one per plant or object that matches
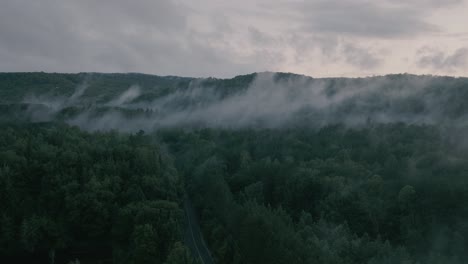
(222, 39)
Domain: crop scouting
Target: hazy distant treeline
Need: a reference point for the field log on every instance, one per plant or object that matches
(131, 102)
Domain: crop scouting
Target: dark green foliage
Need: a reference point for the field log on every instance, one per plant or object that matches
(381, 194)
(91, 195)
(179, 255)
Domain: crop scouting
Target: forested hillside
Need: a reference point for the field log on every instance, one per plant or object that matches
(382, 194)
(280, 168)
(96, 101)
(68, 195)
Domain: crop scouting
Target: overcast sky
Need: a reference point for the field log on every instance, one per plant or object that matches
(227, 38)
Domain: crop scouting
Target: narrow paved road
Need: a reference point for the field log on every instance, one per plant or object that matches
(193, 236)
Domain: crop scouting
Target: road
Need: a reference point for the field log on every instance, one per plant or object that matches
(193, 236)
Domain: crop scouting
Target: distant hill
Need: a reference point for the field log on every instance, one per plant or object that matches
(266, 99)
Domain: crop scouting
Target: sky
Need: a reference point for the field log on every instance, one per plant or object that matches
(214, 38)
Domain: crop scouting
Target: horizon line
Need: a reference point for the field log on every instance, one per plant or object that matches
(376, 75)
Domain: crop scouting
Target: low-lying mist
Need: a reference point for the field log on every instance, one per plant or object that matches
(270, 100)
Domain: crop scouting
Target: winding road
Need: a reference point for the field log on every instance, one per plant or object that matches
(193, 236)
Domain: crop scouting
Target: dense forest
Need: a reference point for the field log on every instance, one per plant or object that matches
(280, 168)
(381, 194)
(68, 193)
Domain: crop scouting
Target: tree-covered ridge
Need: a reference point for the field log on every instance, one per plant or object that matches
(380, 194)
(101, 87)
(97, 101)
(104, 196)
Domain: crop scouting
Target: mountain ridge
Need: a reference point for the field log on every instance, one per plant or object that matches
(265, 99)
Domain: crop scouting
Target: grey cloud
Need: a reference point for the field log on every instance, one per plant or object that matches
(260, 38)
(206, 38)
(334, 49)
(439, 60)
(162, 15)
(425, 4)
(328, 46)
(364, 18)
(109, 36)
(360, 57)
